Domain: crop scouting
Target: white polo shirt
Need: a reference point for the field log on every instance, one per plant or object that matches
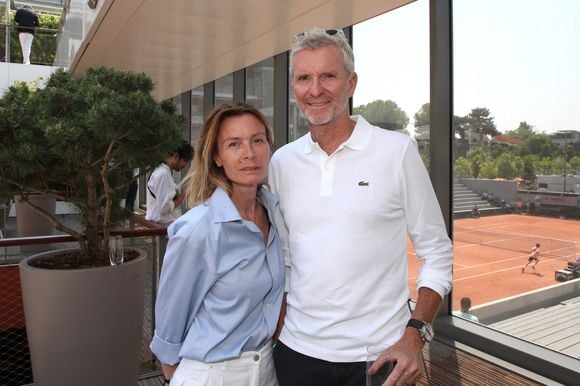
(161, 189)
(347, 216)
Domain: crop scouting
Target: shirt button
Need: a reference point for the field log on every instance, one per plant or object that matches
(256, 357)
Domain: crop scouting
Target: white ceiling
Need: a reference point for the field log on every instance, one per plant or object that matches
(182, 44)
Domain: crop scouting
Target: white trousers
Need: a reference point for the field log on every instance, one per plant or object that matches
(253, 368)
(25, 43)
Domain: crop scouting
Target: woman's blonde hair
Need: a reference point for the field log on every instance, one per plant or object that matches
(205, 176)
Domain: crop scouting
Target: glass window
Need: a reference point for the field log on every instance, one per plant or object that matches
(224, 89)
(260, 87)
(196, 112)
(393, 80)
(297, 123)
(516, 81)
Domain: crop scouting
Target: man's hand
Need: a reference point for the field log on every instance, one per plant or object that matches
(178, 199)
(406, 353)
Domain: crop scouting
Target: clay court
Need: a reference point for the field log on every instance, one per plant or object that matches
(487, 273)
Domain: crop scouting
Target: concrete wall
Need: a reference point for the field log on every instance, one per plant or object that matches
(503, 190)
(516, 305)
(12, 72)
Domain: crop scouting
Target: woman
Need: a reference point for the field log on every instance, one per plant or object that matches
(222, 278)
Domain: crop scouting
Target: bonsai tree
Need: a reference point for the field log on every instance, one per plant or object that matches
(78, 139)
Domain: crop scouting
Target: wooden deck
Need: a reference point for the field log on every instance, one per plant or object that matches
(556, 327)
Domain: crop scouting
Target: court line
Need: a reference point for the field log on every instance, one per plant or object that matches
(492, 272)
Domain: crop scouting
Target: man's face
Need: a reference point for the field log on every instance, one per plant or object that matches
(321, 84)
(177, 164)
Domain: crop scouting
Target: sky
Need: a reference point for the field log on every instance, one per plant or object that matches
(518, 58)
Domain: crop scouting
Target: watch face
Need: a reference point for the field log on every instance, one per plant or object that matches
(427, 332)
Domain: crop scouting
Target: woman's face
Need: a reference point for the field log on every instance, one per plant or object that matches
(243, 150)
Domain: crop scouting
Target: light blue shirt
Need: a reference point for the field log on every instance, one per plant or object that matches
(221, 287)
(466, 315)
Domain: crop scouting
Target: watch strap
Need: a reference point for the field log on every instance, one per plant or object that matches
(415, 323)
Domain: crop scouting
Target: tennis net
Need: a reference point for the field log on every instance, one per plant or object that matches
(564, 249)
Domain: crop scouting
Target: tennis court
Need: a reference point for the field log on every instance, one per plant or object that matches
(491, 251)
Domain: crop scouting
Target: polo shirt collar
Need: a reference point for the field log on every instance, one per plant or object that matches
(358, 140)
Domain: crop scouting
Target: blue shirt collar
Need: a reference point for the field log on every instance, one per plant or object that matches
(225, 211)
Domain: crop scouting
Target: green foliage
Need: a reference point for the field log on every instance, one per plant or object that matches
(567, 150)
(488, 170)
(383, 113)
(530, 168)
(505, 166)
(423, 116)
(547, 165)
(524, 131)
(575, 165)
(537, 155)
(477, 157)
(462, 168)
(82, 135)
(542, 146)
(460, 126)
(480, 121)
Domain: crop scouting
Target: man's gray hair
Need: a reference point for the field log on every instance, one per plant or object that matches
(317, 38)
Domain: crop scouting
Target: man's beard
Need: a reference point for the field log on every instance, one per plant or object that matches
(321, 119)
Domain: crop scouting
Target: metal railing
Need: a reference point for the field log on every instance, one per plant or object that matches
(15, 368)
(43, 48)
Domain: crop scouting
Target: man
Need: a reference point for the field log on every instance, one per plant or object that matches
(465, 312)
(163, 199)
(349, 194)
(27, 21)
(533, 257)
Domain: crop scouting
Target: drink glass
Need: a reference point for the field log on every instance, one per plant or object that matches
(116, 250)
(373, 352)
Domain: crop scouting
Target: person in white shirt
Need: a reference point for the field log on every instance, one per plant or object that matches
(534, 257)
(465, 312)
(163, 199)
(350, 193)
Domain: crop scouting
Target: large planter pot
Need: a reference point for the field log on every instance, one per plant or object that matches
(84, 326)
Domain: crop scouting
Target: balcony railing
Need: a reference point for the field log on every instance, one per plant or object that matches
(43, 46)
(15, 366)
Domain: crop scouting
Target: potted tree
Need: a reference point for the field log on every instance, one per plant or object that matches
(76, 139)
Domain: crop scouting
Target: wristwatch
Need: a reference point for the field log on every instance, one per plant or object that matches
(426, 329)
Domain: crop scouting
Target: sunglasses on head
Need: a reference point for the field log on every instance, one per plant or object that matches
(330, 32)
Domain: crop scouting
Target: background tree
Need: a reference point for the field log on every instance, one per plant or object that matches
(575, 165)
(524, 131)
(488, 169)
(542, 146)
(462, 168)
(460, 126)
(480, 121)
(422, 121)
(477, 157)
(505, 166)
(422, 117)
(518, 163)
(548, 166)
(383, 113)
(530, 169)
(84, 133)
